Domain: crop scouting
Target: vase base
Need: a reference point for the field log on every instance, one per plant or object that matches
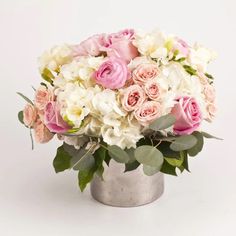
(130, 189)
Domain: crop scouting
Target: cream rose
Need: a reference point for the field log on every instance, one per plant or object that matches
(29, 115)
(41, 132)
(153, 89)
(43, 95)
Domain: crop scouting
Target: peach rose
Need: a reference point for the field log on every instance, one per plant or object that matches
(145, 72)
(153, 89)
(43, 95)
(211, 110)
(209, 92)
(148, 112)
(41, 132)
(29, 115)
(133, 97)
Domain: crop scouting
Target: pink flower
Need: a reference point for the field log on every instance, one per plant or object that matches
(42, 96)
(211, 111)
(29, 115)
(148, 112)
(182, 47)
(53, 119)
(145, 72)
(133, 97)
(153, 89)
(209, 92)
(112, 74)
(92, 46)
(120, 45)
(188, 115)
(41, 132)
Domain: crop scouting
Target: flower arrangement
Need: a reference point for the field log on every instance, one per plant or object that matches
(138, 98)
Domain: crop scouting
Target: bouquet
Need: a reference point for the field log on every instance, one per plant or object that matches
(138, 98)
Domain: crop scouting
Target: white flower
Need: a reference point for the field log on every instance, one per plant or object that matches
(55, 57)
(126, 135)
(148, 43)
(75, 141)
(200, 57)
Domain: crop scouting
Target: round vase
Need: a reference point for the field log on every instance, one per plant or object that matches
(129, 189)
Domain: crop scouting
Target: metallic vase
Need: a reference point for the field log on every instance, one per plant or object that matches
(128, 189)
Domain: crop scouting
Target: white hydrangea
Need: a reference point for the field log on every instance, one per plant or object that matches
(54, 58)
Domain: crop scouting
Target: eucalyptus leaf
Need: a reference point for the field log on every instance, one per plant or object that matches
(86, 162)
(199, 145)
(163, 122)
(149, 155)
(21, 117)
(62, 160)
(150, 170)
(130, 152)
(185, 162)
(131, 166)
(25, 98)
(183, 143)
(206, 135)
(118, 154)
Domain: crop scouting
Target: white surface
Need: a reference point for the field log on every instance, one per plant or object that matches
(35, 201)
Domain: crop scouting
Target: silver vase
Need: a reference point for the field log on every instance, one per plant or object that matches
(128, 189)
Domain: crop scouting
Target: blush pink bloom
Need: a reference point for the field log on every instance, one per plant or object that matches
(211, 111)
(182, 47)
(145, 72)
(148, 112)
(92, 46)
(153, 89)
(120, 45)
(42, 96)
(41, 132)
(209, 92)
(188, 115)
(29, 115)
(53, 119)
(133, 97)
(112, 74)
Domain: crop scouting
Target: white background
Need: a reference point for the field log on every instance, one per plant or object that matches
(35, 201)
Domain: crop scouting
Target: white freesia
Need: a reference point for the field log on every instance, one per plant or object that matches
(200, 57)
(55, 57)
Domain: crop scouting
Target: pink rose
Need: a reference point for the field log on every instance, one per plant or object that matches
(145, 72)
(133, 97)
(41, 132)
(182, 47)
(209, 92)
(211, 111)
(53, 119)
(148, 112)
(42, 96)
(120, 45)
(188, 115)
(29, 115)
(92, 46)
(153, 89)
(112, 74)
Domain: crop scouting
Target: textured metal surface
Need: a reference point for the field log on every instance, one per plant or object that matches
(126, 189)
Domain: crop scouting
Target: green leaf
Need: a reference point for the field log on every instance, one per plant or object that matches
(149, 155)
(85, 177)
(163, 122)
(185, 162)
(107, 159)
(206, 135)
(168, 169)
(183, 143)
(21, 117)
(174, 161)
(47, 75)
(85, 162)
(181, 59)
(118, 154)
(190, 70)
(25, 98)
(164, 147)
(131, 166)
(100, 155)
(199, 145)
(209, 76)
(130, 152)
(62, 160)
(144, 141)
(150, 170)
